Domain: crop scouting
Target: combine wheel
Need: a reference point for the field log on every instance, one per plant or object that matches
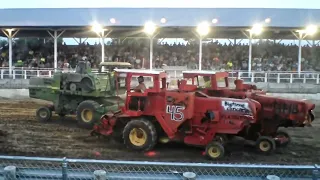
(282, 138)
(44, 114)
(215, 150)
(266, 144)
(140, 135)
(86, 113)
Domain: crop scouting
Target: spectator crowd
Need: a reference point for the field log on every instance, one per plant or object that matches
(266, 55)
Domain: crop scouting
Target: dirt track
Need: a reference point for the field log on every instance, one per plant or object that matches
(21, 134)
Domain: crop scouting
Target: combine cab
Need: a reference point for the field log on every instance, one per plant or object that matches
(83, 93)
(275, 111)
(175, 115)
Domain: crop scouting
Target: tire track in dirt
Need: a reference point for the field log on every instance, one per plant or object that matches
(22, 134)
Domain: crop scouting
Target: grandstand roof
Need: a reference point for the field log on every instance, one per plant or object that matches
(130, 20)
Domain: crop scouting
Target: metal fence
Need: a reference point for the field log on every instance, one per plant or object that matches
(176, 72)
(17, 167)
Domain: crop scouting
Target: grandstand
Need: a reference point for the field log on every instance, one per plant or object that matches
(269, 62)
(127, 23)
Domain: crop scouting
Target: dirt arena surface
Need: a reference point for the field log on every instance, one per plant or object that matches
(21, 134)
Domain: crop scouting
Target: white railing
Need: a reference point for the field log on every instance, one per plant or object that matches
(254, 77)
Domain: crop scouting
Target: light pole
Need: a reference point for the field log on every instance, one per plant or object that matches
(99, 29)
(202, 30)
(150, 28)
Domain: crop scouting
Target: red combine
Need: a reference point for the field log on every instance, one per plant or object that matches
(275, 111)
(157, 114)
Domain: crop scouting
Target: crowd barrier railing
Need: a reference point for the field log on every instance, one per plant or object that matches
(18, 167)
(175, 73)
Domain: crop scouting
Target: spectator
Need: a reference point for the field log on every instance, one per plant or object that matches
(266, 56)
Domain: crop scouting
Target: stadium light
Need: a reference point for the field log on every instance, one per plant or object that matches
(267, 20)
(311, 30)
(215, 21)
(203, 28)
(96, 27)
(256, 29)
(112, 20)
(163, 20)
(149, 28)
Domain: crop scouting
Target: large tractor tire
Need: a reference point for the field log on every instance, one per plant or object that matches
(140, 135)
(44, 114)
(87, 115)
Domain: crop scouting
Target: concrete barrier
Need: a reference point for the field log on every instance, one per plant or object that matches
(14, 93)
(14, 83)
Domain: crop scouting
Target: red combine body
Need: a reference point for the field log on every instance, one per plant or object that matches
(158, 114)
(275, 111)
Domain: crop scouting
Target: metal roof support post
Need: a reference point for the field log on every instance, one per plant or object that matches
(299, 53)
(10, 52)
(151, 51)
(55, 37)
(151, 37)
(200, 53)
(102, 49)
(10, 35)
(102, 37)
(300, 37)
(250, 36)
(250, 53)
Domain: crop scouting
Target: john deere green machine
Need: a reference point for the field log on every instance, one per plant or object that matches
(86, 94)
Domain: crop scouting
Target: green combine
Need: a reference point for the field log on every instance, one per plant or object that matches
(83, 93)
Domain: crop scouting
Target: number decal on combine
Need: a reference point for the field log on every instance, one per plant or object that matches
(175, 112)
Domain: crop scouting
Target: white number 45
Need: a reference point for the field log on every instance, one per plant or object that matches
(175, 112)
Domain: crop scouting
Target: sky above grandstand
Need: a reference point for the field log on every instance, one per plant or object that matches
(306, 4)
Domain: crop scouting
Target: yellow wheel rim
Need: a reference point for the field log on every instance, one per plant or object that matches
(214, 152)
(87, 115)
(138, 137)
(264, 146)
(43, 114)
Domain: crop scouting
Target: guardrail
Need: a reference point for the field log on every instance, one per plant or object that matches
(267, 77)
(17, 167)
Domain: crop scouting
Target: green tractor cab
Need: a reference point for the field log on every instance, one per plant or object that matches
(82, 93)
